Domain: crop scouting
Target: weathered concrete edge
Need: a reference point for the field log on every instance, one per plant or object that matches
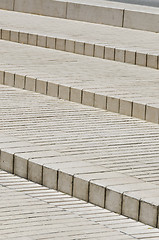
(140, 58)
(122, 17)
(87, 190)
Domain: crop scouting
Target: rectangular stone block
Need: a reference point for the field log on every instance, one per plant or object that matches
(119, 55)
(53, 89)
(14, 36)
(130, 207)
(41, 86)
(152, 114)
(113, 200)
(19, 81)
(50, 42)
(64, 92)
(89, 49)
(97, 14)
(109, 53)
(141, 59)
(32, 39)
(21, 166)
(70, 46)
(76, 95)
(35, 172)
(88, 98)
(9, 79)
(125, 107)
(80, 188)
(113, 104)
(148, 213)
(143, 20)
(99, 51)
(23, 37)
(65, 182)
(79, 47)
(139, 110)
(130, 57)
(97, 194)
(5, 34)
(30, 83)
(7, 4)
(41, 42)
(50, 177)
(152, 61)
(60, 44)
(100, 101)
(42, 7)
(7, 160)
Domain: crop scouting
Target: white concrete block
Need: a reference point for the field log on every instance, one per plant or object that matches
(113, 104)
(49, 177)
(42, 7)
(97, 194)
(80, 188)
(109, 53)
(113, 200)
(35, 172)
(32, 39)
(148, 213)
(41, 42)
(88, 98)
(41, 86)
(141, 59)
(64, 92)
(7, 4)
(125, 107)
(65, 181)
(53, 89)
(30, 83)
(152, 61)
(100, 101)
(70, 46)
(60, 44)
(2, 73)
(6, 160)
(139, 110)
(130, 207)
(95, 14)
(99, 51)
(79, 47)
(20, 166)
(89, 49)
(152, 114)
(76, 95)
(50, 42)
(130, 56)
(9, 79)
(119, 55)
(23, 37)
(5, 34)
(19, 81)
(14, 36)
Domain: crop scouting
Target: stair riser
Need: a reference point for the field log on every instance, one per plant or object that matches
(102, 14)
(83, 48)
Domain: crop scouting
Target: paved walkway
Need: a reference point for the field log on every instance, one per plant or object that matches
(113, 80)
(31, 211)
(92, 154)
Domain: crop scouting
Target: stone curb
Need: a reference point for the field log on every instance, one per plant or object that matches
(112, 104)
(116, 14)
(140, 58)
(112, 190)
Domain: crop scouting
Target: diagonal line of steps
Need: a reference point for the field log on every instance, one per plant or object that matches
(131, 91)
(95, 11)
(103, 158)
(107, 42)
(32, 206)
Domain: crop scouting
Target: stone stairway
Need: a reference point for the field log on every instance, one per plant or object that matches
(75, 138)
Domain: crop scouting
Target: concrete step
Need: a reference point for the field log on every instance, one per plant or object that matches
(32, 211)
(95, 11)
(97, 156)
(130, 90)
(112, 43)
